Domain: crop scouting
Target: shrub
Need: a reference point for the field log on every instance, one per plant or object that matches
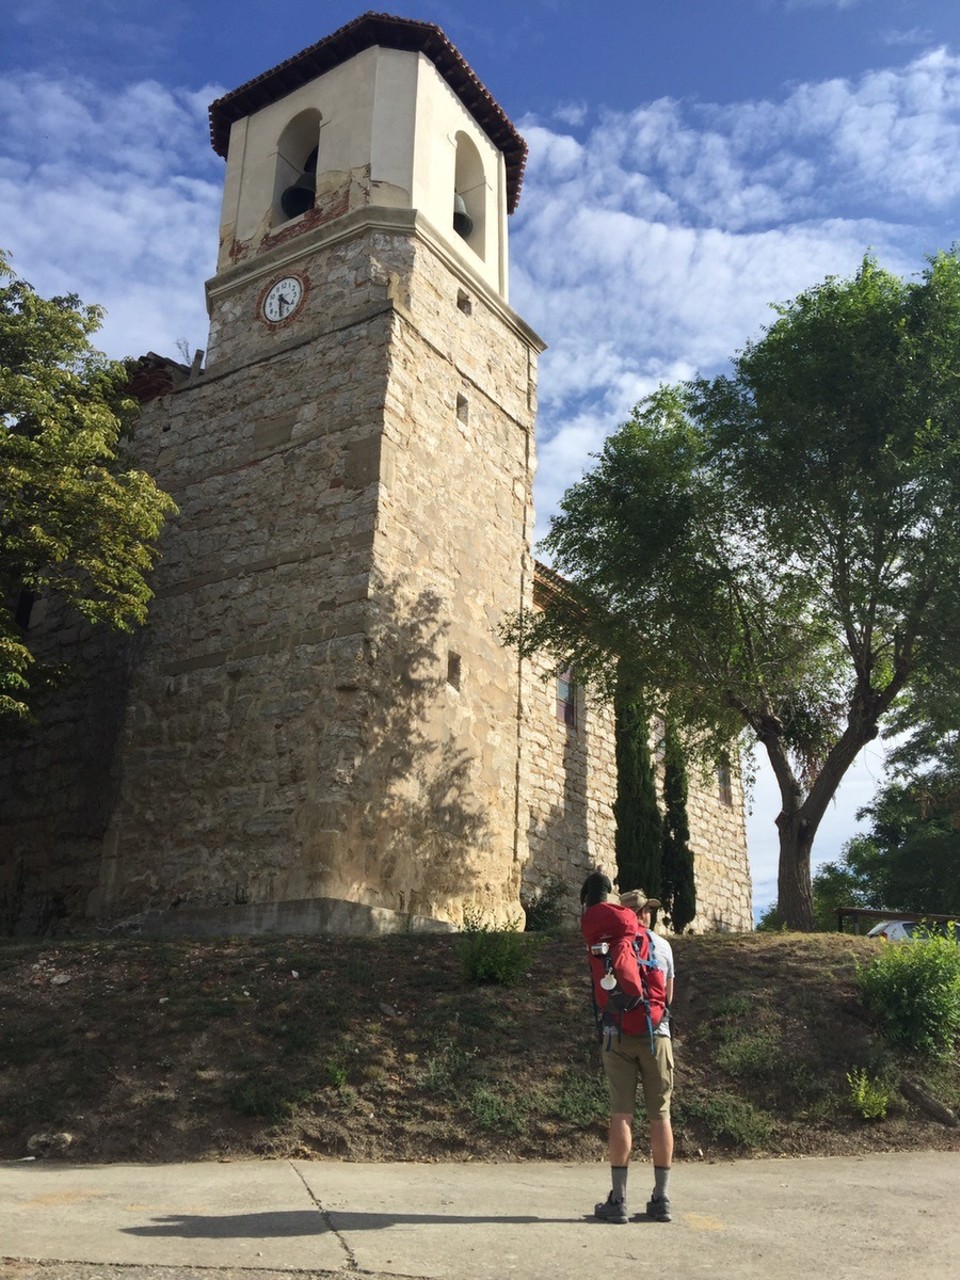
(544, 905)
(913, 988)
(494, 955)
(868, 1097)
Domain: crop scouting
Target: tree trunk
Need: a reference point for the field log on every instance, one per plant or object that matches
(799, 819)
(795, 889)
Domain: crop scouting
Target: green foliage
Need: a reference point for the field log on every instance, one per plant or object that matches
(844, 884)
(499, 1108)
(678, 891)
(728, 1118)
(777, 551)
(579, 1098)
(750, 1054)
(747, 1038)
(494, 955)
(260, 1097)
(639, 832)
(869, 1098)
(771, 921)
(444, 1070)
(336, 1073)
(75, 524)
(908, 861)
(913, 988)
(543, 905)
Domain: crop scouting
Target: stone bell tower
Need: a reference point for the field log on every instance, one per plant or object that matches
(323, 726)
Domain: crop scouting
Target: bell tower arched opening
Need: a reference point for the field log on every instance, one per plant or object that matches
(470, 195)
(295, 180)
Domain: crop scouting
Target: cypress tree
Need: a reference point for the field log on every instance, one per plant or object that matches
(639, 829)
(679, 894)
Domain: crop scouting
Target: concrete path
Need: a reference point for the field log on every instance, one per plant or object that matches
(896, 1215)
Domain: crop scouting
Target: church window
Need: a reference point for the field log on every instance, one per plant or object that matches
(567, 698)
(725, 783)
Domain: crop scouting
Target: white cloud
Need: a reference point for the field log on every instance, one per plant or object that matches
(114, 197)
(571, 113)
(820, 4)
(914, 36)
(653, 245)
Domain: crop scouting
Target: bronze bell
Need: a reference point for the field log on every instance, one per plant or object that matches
(299, 197)
(462, 222)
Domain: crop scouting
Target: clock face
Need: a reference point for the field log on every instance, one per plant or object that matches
(282, 299)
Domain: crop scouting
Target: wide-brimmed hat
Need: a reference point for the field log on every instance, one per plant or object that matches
(638, 900)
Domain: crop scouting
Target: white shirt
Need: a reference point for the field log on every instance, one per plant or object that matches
(661, 953)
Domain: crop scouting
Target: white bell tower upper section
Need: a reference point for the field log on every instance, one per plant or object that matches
(385, 114)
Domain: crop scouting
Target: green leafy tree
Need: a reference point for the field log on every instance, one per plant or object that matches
(910, 859)
(776, 551)
(845, 883)
(639, 833)
(74, 524)
(678, 888)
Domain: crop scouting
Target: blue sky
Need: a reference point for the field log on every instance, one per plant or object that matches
(691, 162)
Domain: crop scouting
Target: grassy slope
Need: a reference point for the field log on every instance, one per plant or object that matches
(380, 1050)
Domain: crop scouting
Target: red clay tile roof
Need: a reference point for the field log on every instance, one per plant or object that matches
(391, 33)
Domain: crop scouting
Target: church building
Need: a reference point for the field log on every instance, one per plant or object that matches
(319, 728)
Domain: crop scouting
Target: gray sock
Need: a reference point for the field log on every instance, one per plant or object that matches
(619, 1172)
(661, 1177)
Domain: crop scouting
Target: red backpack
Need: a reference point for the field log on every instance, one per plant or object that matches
(629, 991)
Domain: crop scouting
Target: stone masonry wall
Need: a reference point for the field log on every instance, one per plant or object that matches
(571, 781)
(718, 838)
(347, 538)
(570, 784)
(320, 707)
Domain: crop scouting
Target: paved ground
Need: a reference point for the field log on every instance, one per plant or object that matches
(775, 1219)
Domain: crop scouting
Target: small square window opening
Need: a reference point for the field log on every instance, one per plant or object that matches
(454, 670)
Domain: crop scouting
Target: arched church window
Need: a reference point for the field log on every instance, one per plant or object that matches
(470, 195)
(298, 152)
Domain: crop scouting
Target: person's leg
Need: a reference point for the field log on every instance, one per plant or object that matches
(661, 1142)
(621, 1072)
(621, 1137)
(657, 1076)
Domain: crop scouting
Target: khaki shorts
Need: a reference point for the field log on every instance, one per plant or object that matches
(629, 1060)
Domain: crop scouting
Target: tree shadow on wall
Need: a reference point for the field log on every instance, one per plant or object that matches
(59, 773)
(558, 838)
(423, 827)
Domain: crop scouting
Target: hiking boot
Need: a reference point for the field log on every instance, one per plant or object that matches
(658, 1208)
(611, 1210)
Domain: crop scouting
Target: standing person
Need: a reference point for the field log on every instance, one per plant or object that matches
(658, 1206)
(631, 1057)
